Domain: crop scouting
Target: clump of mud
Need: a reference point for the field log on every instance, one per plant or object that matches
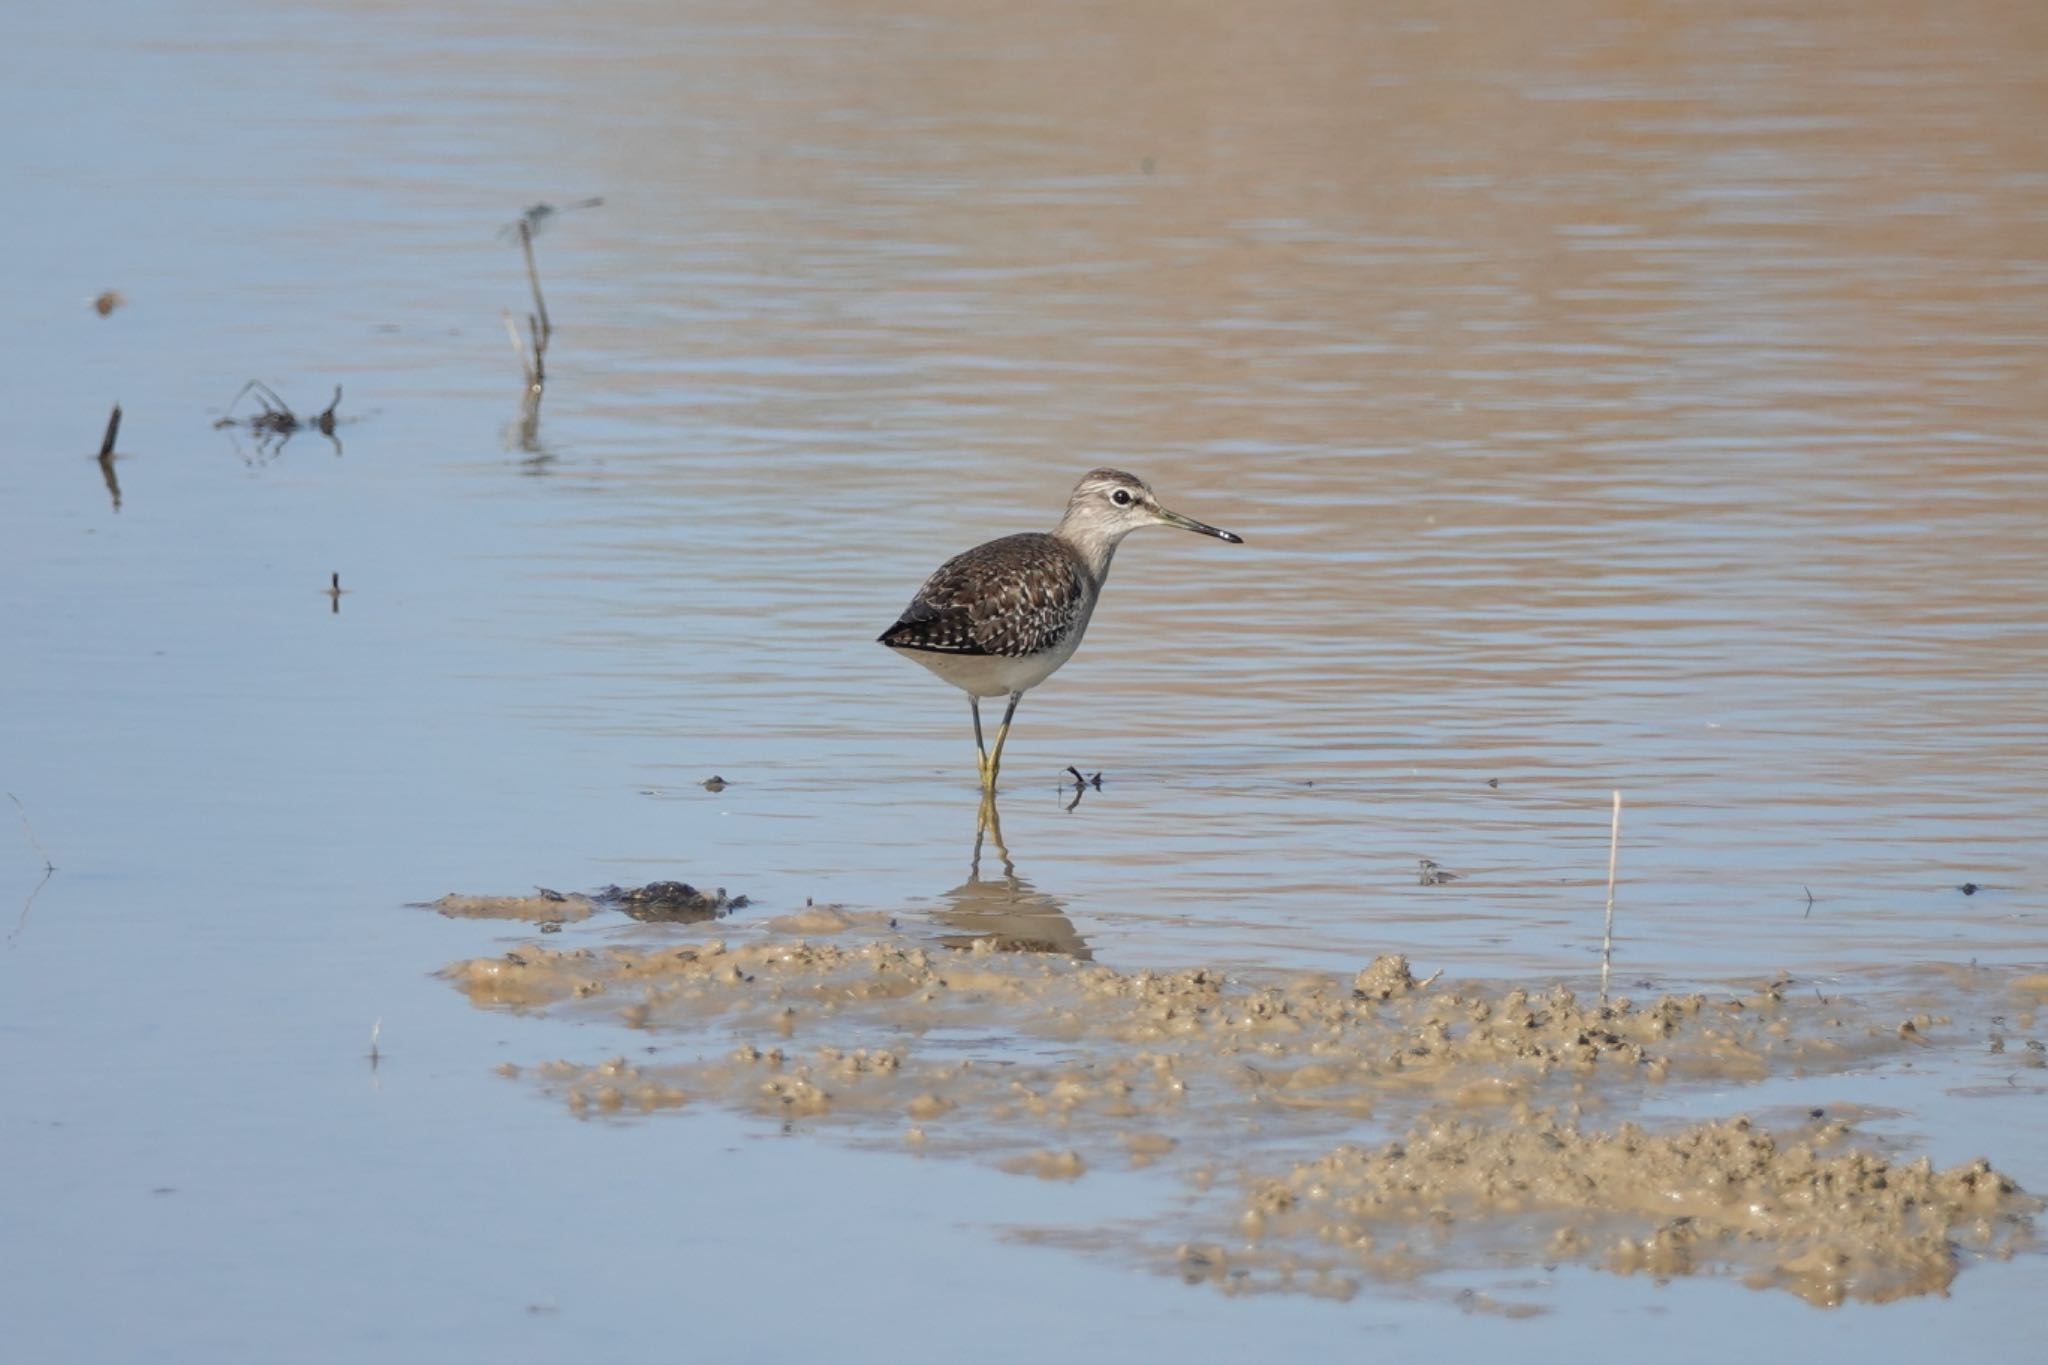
(1335, 1129)
(1805, 1212)
(654, 903)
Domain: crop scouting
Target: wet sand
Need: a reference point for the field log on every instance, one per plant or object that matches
(1329, 1131)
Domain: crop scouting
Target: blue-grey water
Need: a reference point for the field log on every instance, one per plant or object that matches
(1616, 397)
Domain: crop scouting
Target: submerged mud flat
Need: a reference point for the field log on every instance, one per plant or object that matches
(1331, 1131)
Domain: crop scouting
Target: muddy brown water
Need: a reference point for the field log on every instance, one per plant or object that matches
(1611, 397)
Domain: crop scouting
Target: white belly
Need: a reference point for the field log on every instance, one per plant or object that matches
(994, 675)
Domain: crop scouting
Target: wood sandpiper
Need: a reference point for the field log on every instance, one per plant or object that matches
(1001, 618)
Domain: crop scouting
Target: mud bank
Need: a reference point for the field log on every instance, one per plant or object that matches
(1331, 1131)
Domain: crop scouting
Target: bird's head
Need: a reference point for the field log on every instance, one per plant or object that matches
(1109, 504)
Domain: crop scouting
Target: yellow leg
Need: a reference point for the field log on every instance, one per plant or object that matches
(980, 749)
(990, 824)
(995, 760)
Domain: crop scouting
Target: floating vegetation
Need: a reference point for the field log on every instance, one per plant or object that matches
(274, 423)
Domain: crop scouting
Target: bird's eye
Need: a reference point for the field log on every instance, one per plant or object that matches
(1122, 497)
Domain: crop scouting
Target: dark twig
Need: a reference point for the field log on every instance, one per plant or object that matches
(325, 421)
(542, 330)
(532, 349)
(106, 460)
(275, 424)
(273, 406)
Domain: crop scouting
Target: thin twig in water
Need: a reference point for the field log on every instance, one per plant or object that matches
(49, 870)
(275, 423)
(1607, 939)
(532, 349)
(106, 461)
(273, 405)
(542, 330)
(29, 829)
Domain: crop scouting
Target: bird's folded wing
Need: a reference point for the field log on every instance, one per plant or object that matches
(1011, 597)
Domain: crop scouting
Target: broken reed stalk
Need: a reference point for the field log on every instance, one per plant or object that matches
(529, 362)
(325, 421)
(1607, 939)
(113, 431)
(542, 329)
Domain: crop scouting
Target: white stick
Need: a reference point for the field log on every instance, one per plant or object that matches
(519, 348)
(1613, 856)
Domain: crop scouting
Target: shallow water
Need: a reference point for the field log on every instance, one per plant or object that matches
(1620, 399)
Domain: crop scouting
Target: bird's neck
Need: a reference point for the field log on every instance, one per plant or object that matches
(1095, 545)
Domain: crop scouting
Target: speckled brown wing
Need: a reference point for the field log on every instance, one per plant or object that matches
(1013, 597)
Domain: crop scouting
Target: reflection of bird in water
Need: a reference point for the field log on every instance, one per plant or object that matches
(1006, 912)
(1001, 618)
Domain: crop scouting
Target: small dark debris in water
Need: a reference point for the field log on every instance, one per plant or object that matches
(274, 424)
(670, 902)
(715, 783)
(1092, 780)
(1969, 888)
(1816, 1113)
(1432, 875)
(551, 926)
(107, 302)
(1493, 782)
